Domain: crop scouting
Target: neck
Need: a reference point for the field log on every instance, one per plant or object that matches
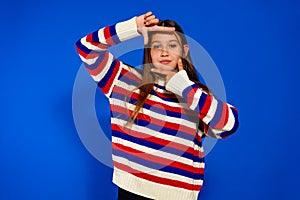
(160, 79)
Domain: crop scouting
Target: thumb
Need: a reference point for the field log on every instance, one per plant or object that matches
(145, 35)
(180, 65)
(144, 32)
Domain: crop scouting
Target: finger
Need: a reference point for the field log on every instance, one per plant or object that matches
(180, 65)
(147, 14)
(152, 22)
(161, 29)
(150, 17)
(145, 36)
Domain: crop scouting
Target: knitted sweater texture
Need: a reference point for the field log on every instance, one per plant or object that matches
(160, 155)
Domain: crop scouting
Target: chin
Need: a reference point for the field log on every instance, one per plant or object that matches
(164, 67)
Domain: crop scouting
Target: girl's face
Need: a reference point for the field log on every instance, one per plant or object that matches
(166, 50)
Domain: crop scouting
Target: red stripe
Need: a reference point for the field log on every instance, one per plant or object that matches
(234, 109)
(155, 140)
(89, 39)
(107, 36)
(206, 106)
(101, 65)
(130, 75)
(135, 96)
(153, 120)
(157, 159)
(163, 95)
(82, 53)
(108, 84)
(156, 179)
(190, 97)
(92, 54)
(224, 117)
(85, 55)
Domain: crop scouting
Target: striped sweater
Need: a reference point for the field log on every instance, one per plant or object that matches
(159, 156)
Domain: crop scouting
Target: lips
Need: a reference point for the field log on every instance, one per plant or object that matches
(165, 62)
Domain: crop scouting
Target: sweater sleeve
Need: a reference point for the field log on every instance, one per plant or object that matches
(220, 117)
(103, 67)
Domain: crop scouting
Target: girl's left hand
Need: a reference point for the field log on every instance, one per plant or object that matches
(148, 23)
(168, 73)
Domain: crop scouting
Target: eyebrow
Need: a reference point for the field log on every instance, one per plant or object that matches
(168, 41)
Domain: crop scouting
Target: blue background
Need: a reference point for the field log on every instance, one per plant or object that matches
(255, 45)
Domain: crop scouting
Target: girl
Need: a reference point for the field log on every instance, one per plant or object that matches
(159, 114)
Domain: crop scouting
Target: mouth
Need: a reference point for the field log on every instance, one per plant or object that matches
(165, 62)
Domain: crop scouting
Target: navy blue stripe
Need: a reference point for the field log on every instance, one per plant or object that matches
(186, 91)
(199, 143)
(152, 145)
(108, 75)
(113, 33)
(122, 97)
(128, 81)
(82, 47)
(152, 108)
(95, 37)
(154, 127)
(163, 111)
(201, 102)
(97, 62)
(172, 98)
(217, 116)
(157, 166)
(194, 86)
(160, 86)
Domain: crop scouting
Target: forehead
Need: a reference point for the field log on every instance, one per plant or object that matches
(164, 37)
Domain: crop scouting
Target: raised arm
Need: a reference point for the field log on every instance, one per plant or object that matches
(220, 118)
(93, 48)
(93, 51)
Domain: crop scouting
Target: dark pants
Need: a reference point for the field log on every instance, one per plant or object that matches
(125, 195)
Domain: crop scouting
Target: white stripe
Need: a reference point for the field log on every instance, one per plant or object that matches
(115, 79)
(127, 29)
(149, 132)
(196, 99)
(156, 115)
(216, 133)
(231, 120)
(101, 36)
(133, 71)
(99, 76)
(126, 86)
(158, 153)
(89, 45)
(88, 61)
(211, 111)
(151, 189)
(155, 172)
(154, 98)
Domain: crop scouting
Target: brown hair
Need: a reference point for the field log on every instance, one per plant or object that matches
(147, 75)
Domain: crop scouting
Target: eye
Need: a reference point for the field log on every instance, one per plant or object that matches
(172, 46)
(156, 46)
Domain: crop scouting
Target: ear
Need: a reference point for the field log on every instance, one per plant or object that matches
(185, 50)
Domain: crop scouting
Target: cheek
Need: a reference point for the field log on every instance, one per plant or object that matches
(176, 53)
(154, 56)
(176, 57)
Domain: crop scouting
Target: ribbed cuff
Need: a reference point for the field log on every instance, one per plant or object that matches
(179, 82)
(127, 29)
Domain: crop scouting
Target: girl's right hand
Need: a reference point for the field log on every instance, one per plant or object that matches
(148, 22)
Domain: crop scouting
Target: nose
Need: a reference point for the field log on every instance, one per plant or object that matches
(164, 52)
